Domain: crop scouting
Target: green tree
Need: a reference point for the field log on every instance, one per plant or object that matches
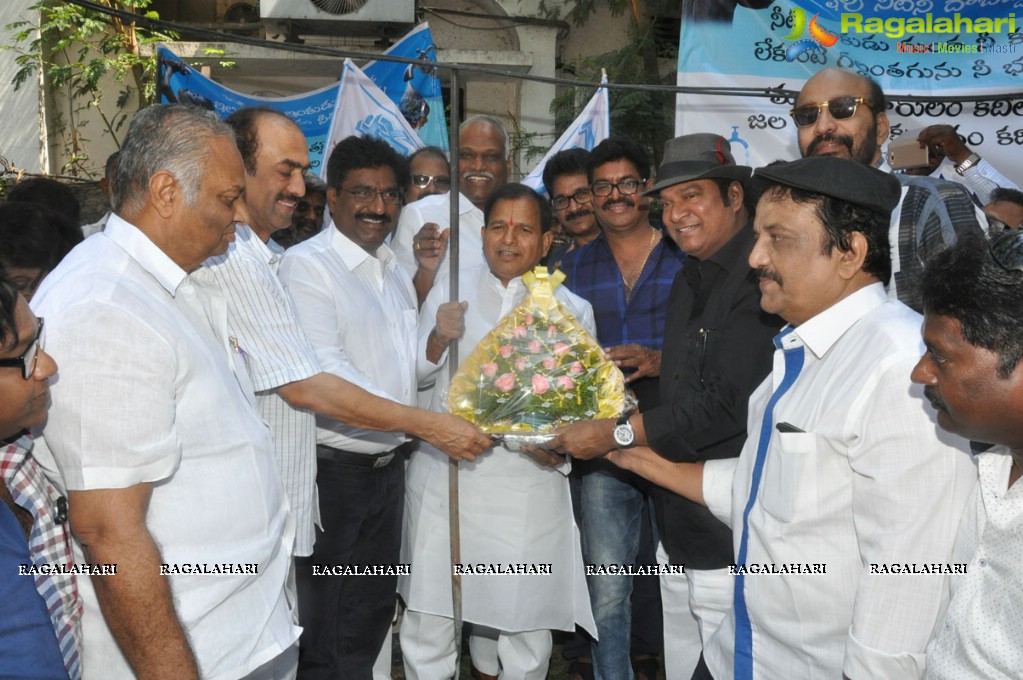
(645, 116)
(78, 51)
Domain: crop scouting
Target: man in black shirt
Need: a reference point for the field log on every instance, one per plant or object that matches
(717, 349)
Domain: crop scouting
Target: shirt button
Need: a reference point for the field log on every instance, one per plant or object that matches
(982, 562)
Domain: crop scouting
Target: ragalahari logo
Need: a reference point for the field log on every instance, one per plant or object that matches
(820, 39)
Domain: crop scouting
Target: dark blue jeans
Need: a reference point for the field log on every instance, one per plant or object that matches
(346, 618)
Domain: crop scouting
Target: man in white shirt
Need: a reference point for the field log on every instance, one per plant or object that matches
(842, 114)
(169, 469)
(951, 160)
(289, 382)
(844, 472)
(972, 373)
(512, 510)
(357, 306)
(421, 239)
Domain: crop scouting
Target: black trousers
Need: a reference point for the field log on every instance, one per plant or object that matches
(345, 619)
(702, 672)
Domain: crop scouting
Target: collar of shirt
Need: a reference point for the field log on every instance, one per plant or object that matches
(735, 253)
(821, 332)
(269, 251)
(353, 255)
(149, 257)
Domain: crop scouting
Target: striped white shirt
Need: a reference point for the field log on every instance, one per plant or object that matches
(264, 330)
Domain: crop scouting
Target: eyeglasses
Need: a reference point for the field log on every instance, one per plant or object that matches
(28, 360)
(367, 195)
(304, 206)
(839, 108)
(996, 226)
(421, 181)
(625, 187)
(581, 196)
(1007, 249)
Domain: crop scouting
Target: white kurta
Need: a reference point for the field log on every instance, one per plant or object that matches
(512, 510)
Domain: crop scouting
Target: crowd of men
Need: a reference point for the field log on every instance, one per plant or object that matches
(225, 447)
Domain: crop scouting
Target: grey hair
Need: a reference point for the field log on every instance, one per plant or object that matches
(171, 137)
(493, 121)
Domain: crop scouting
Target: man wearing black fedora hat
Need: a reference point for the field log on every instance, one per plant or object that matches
(717, 350)
(845, 500)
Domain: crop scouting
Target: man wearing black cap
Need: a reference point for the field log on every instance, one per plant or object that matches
(845, 499)
(720, 352)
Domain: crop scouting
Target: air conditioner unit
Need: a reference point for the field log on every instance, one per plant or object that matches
(362, 11)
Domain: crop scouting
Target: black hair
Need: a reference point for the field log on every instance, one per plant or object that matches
(244, 122)
(567, 162)
(8, 308)
(965, 282)
(514, 191)
(46, 191)
(355, 153)
(615, 149)
(34, 236)
(1007, 195)
(840, 219)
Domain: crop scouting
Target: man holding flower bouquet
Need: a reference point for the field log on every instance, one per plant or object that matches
(515, 513)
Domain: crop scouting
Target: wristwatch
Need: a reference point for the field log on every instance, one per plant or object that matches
(971, 160)
(623, 433)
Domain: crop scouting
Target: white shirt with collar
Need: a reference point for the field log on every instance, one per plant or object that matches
(513, 511)
(359, 312)
(148, 392)
(980, 180)
(870, 479)
(437, 209)
(981, 634)
(264, 332)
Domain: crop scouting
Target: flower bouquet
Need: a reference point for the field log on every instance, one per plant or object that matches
(537, 370)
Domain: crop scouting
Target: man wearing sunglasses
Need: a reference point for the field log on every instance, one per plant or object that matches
(841, 113)
(39, 612)
(1005, 211)
(429, 173)
(973, 375)
(421, 239)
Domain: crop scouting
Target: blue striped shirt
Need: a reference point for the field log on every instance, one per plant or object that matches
(592, 273)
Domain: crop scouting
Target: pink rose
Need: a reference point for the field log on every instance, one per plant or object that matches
(534, 346)
(520, 363)
(529, 319)
(565, 383)
(561, 348)
(506, 382)
(489, 370)
(576, 368)
(540, 384)
(506, 351)
(519, 332)
(550, 363)
(551, 331)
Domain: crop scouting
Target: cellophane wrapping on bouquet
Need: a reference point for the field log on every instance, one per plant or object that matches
(537, 370)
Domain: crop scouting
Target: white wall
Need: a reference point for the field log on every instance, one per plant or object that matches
(21, 129)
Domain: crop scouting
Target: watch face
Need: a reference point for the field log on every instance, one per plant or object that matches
(624, 436)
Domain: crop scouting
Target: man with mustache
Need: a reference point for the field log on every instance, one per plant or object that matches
(843, 467)
(626, 273)
(973, 331)
(421, 238)
(841, 113)
(290, 382)
(307, 220)
(355, 304)
(566, 181)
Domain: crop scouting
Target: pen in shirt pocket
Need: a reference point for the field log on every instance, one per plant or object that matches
(788, 427)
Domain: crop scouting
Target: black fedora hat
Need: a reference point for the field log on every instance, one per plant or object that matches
(700, 156)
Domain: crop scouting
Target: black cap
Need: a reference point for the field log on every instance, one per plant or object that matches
(840, 178)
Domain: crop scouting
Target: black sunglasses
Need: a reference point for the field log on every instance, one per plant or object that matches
(28, 360)
(839, 108)
(1007, 249)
